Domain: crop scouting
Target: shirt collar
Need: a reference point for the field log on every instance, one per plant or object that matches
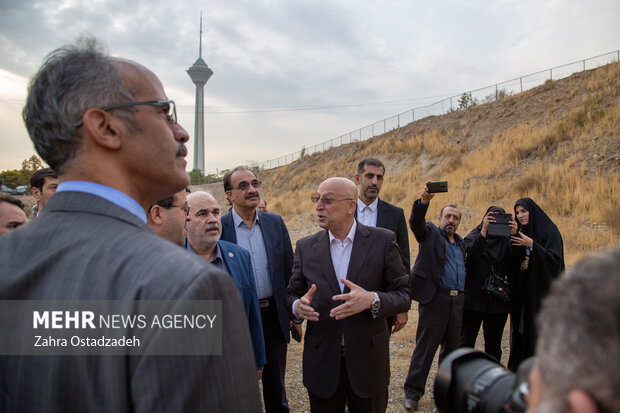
(373, 205)
(350, 236)
(218, 254)
(237, 218)
(115, 196)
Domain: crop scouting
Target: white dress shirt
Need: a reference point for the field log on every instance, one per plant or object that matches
(341, 253)
(367, 214)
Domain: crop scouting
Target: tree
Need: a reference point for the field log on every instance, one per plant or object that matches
(32, 164)
(466, 101)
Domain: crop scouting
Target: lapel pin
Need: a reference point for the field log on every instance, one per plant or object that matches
(230, 254)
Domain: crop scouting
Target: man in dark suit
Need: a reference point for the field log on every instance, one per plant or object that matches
(108, 129)
(345, 281)
(375, 212)
(265, 236)
(437, 283)
(203, 237)
(167, 217)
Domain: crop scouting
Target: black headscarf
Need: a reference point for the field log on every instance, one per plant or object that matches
(542, 230)
(496, 246)
(530, 286)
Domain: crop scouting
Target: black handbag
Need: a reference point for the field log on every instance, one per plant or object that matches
(497, 286)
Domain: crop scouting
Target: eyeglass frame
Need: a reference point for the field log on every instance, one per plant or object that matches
(185, 208)
(172, 117)
(327, 201)
(255, 183)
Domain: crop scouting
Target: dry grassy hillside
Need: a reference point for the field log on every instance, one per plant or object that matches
(558, 144)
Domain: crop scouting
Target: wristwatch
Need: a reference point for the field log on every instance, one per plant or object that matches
(376, 304)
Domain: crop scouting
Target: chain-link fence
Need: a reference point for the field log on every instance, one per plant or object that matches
(482, 95)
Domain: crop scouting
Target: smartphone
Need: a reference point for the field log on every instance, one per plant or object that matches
(501, 226)
(437, 186)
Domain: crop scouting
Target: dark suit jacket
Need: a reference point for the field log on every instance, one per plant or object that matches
(239, 266)
(431, 260)
(279, 258)
(375, 265)
(83, 247)
(393, 218)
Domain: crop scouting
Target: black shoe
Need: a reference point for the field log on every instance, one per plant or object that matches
(411, 404)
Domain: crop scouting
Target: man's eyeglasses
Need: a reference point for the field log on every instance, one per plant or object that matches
(185, 208)
(326, 200)
(243, 185)
(169, 105)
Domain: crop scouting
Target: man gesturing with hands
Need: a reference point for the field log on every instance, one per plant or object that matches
(346, 279)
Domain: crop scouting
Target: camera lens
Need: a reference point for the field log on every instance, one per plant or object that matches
(474, 382)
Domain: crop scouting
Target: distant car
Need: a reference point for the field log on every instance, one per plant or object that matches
(21, 190)
(8, 190)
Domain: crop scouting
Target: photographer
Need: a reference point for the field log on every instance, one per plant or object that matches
(578, 351)
(488, 255)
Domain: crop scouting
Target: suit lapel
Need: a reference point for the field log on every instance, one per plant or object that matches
(228, 228)
(321, 249)
(382, 214)
(360, 250)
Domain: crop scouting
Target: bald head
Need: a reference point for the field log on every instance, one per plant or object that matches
(204, 226)
(336, 205)
(343, 186)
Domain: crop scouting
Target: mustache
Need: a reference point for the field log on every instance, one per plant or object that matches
(182, 150)
(209, 227)
(251, 195)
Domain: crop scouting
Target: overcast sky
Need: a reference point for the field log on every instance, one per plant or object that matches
(271, 56)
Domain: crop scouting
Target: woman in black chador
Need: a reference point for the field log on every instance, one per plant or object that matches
(486, 253)
(542, 250)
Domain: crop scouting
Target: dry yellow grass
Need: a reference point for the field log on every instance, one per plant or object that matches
(558, 144)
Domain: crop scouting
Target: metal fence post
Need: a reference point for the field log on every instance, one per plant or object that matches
(521, 83)
(551, 74)
(413, 114)
(496, 93)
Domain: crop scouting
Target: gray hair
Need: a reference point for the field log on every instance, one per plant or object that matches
(72, 79)
(579, 340)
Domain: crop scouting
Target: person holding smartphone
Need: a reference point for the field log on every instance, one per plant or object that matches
(541, 251)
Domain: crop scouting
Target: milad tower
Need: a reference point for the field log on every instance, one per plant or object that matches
(200, 74)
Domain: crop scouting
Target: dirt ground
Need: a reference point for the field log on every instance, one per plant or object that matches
(401, 347)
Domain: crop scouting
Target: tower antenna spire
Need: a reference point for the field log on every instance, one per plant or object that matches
(199, 73)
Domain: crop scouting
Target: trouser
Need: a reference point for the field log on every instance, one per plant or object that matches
(439, 324)
(345, 395)
(274, 392)
(492, 328)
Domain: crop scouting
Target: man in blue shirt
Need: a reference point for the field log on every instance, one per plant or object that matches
(204, 228)
(437, 283)
(265, 236)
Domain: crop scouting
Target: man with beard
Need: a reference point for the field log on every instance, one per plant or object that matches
(106, 126)
(375, 212)
(167, 217)
(437, 283)
(204, 227)
(265, 236)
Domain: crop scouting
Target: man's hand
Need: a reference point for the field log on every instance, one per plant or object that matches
(260, 374)
(357, 300)
(297, 328)
(425, 196)
(399, 321)
(303, 308)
